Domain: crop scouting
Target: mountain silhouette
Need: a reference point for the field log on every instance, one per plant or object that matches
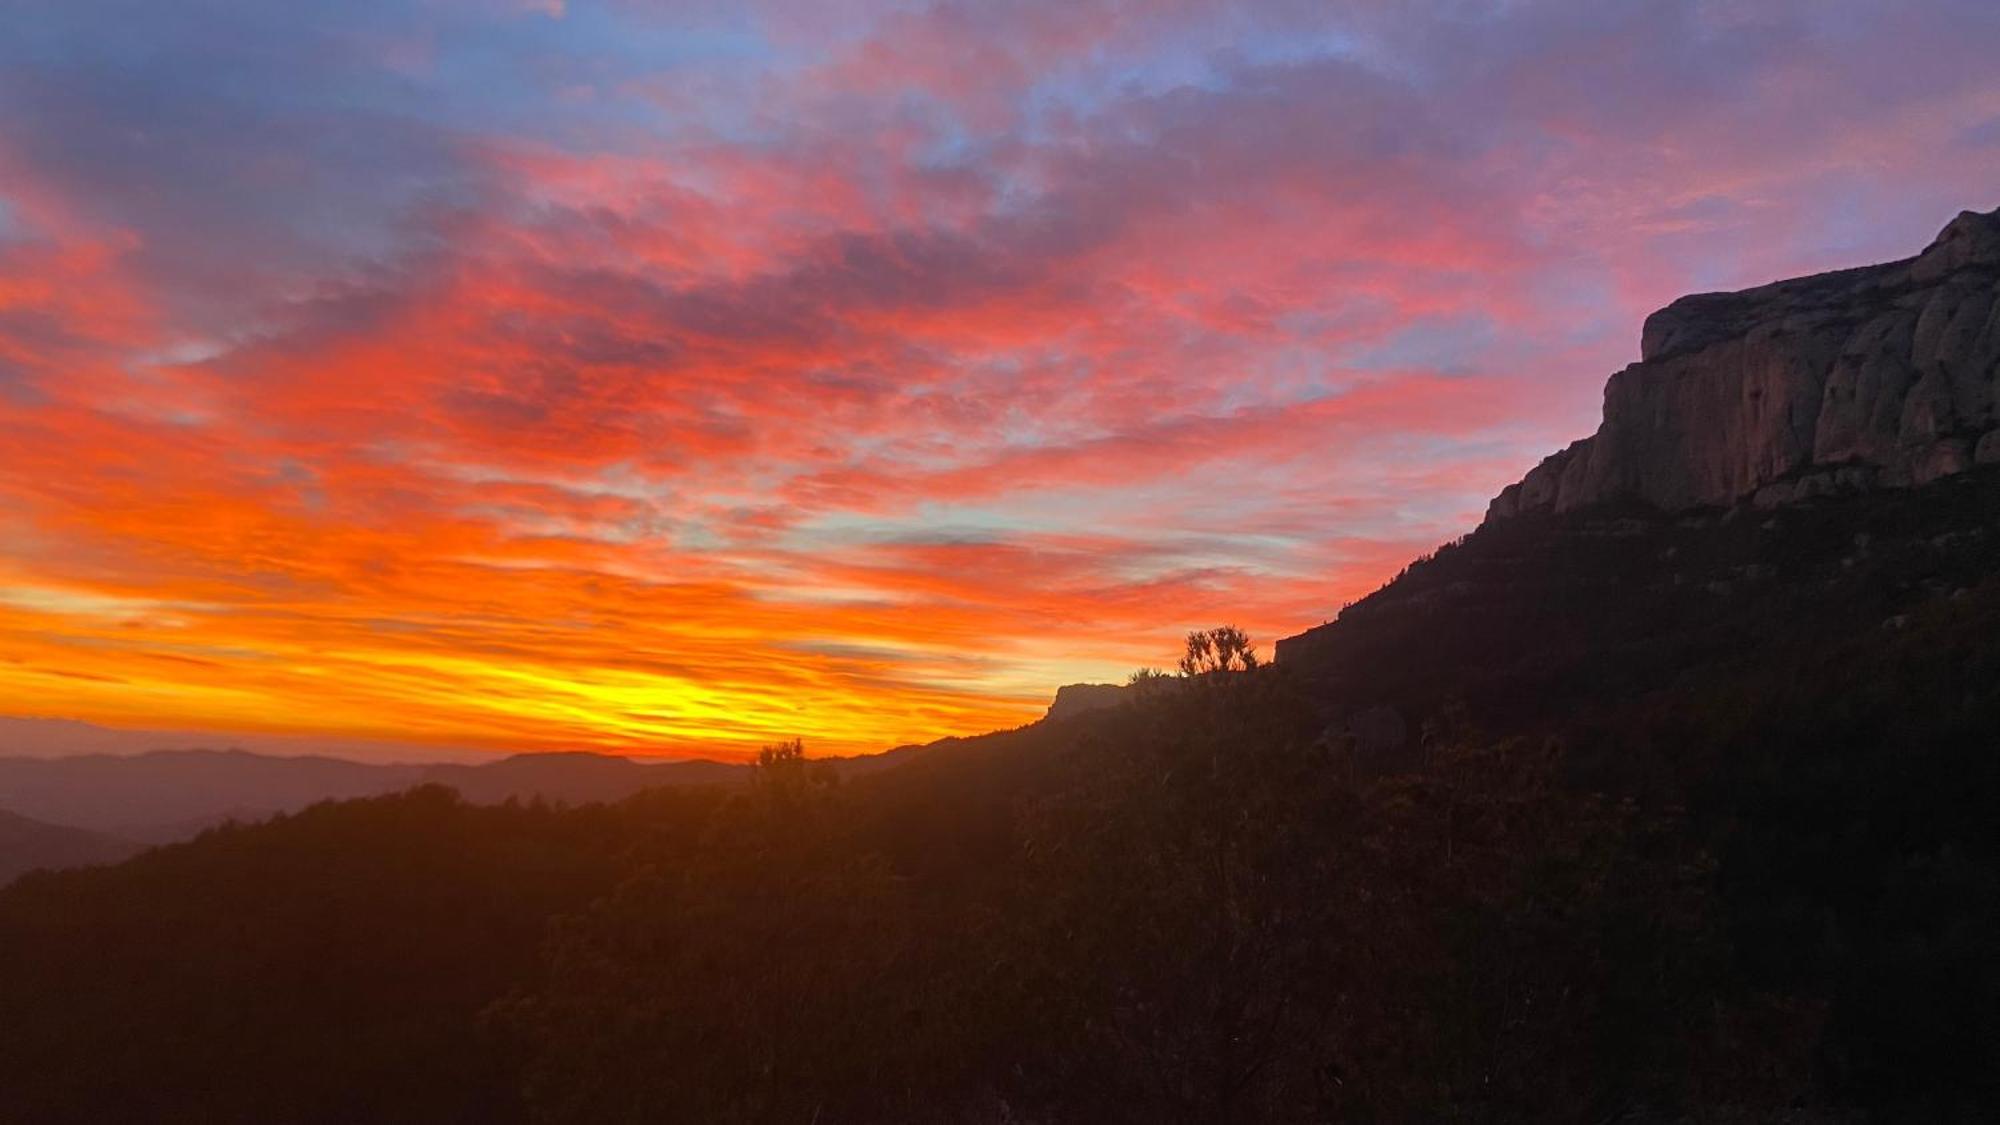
(167, 795)
(29, 845)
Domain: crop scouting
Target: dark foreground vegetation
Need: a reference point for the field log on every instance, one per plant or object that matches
(1673, 820)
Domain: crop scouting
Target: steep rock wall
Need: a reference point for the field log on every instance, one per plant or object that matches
(1882, 376)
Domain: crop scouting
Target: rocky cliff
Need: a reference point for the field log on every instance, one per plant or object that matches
(1080, 699)
(1882, 376)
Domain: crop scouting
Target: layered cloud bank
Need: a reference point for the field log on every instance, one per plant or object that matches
(680, 377)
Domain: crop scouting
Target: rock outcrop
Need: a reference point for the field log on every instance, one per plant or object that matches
(1078, 699)
(1882, 376)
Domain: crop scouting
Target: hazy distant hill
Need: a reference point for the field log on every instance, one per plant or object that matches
(27, 845)
(140, 793)
(573, 777)
(25, 737)
(171, 794)
(168, 795)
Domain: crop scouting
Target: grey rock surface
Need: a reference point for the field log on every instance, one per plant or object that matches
(1881, 376)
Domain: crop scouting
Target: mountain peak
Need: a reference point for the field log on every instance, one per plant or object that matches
(1971, 239)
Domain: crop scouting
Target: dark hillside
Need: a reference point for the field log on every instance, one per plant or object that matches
(324, 966)
(1750, 874)
(1606, 816)
(29, 845)
(1525, 620)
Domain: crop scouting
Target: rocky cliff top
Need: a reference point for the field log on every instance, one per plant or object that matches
(1881, 376)
(1078, 699)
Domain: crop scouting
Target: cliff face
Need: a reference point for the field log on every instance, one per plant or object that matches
(1079, 699)
(1883, 376)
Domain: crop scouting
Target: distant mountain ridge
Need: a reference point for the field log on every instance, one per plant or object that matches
(151, 796)
(139, 787)
(34, 737)
(166, 795)
(29, 845)
(573, 777)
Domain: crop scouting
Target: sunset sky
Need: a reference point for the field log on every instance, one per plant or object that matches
(678, 377)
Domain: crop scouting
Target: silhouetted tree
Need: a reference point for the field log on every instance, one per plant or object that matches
(1223, 649)
(787, 779)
